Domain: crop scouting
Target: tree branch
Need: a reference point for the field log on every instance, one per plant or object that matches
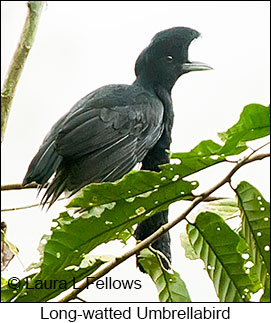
(118, 260)
(19, 58)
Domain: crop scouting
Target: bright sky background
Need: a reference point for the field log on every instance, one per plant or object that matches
(81, 46)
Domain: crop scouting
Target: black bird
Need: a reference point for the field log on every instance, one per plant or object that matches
(113, 128)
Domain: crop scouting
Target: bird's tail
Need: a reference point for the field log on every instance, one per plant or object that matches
(149, 226)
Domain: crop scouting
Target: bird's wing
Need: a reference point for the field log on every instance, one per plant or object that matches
(110, 116)
(105, 136)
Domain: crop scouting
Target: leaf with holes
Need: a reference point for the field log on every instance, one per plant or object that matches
(256, 226)
(137, 185)
(204, 155)
(170, 286)
(216, 244)
(109, 210)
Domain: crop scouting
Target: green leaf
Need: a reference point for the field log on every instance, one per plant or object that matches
(216, 244)
(226, 208)
(189, 251)
(3, 281)
(266, 295)
(170, 286)
(125, 235)
(254, 123)
(127, 202)
(137, 185)
(50, 282)
(8, 294)
(249, 266)
(205, 154)
(256, 226)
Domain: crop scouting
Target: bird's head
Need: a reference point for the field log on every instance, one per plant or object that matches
(166, 58)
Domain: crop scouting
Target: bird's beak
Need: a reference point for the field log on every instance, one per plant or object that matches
(195, 66)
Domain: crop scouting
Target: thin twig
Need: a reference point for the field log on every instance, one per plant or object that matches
(145, 243)
(20, 208)
(18, 61)
(259, 148)
(9, 187)
(28, 206)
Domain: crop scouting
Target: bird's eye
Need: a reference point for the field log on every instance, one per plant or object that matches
(169, 58)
